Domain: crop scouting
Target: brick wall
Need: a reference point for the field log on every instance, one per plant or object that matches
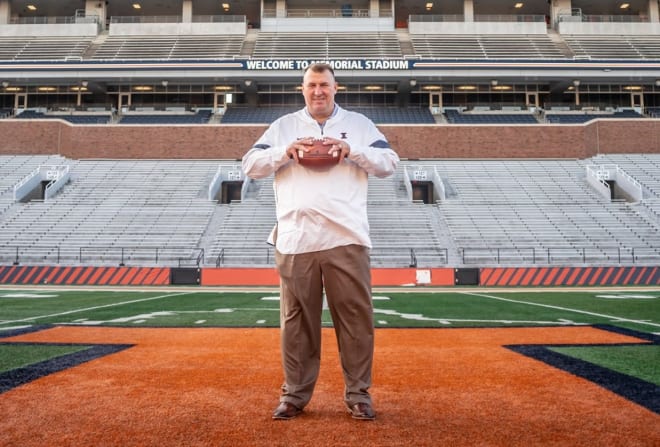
(410, 141)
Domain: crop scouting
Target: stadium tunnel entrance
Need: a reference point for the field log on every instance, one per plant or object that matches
(230, 191)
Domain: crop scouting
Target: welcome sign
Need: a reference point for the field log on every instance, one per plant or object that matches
(336, 64)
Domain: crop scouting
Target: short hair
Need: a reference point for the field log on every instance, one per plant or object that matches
(319, 67)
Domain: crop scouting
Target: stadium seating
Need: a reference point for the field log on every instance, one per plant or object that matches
(456, 117)
(614, 47)
(496, 212)
(169, 47)
(539, 212)
(445, 46)
(255, 115)
(40, 48)
(327, 45)
(396, 115)
(147, 212)
(78, 118)
(200, 117)
(653, 112)
(379, 115)
(578, 118)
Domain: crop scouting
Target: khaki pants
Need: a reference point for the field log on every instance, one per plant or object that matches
(345, 273)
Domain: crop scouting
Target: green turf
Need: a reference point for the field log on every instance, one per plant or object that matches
(169, 308)
(642, 362)
(20, 355)
(638, 311)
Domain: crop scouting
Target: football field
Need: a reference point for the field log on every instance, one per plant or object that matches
(466, 366)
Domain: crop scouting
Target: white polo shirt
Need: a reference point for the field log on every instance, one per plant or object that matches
(319, 210)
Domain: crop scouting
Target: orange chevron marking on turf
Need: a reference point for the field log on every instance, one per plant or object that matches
(212, 387)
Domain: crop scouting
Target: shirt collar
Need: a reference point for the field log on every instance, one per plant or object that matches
(334, 112)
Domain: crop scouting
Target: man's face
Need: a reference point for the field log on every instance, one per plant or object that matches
(319, 91)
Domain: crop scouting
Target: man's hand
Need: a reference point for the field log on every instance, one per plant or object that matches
(340, 146)
(303, 144)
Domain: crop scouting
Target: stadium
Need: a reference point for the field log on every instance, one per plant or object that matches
(529, 138)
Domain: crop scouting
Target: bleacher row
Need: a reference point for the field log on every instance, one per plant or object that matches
(496, 212)
(371, 45)
(379, 115)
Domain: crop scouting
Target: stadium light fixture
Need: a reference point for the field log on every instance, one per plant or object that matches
(635, 88)
(576, 82)
(502, 87)
(5, 84)
(657, 82)
(46, 89)
(518, 5)
(248, 82)
(31, 7)
(413, 82)
(225, 7)
(429, 6)
(137, 6)
(467, 87)
(431, 88)
(143, 88)
(624, 5)
(223, 88)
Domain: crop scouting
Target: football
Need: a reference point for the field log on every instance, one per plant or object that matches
(318, 157)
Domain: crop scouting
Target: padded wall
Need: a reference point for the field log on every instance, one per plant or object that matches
(570, 276)
(134, 276)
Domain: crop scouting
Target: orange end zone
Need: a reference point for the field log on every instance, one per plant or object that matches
(214, 386)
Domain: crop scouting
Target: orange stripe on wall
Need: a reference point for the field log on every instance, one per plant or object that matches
(527, 279)
(246, 276)
(269, 277)
(139, 278)
(640, 275)
(540, 274)
(132, 271)
(105, 278)
(72, 279)
(163, 277)
(595, 276)
(485, 275)
(40, 276)
(86, 273)
(33, 271)
(56, 271)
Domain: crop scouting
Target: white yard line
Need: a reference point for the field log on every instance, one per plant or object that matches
(95, 308)
(593, 314)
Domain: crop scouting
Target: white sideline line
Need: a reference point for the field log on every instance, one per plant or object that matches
(96, 307)
(593, 314)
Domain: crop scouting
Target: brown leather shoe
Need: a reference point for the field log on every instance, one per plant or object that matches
(362, 411)
(285, 411)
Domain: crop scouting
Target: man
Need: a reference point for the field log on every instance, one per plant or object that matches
(322, 239)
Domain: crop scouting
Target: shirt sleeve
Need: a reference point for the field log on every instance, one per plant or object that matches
(266, 156)
(374, 155)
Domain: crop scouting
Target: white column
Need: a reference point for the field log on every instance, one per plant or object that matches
(280, 8)
(5, 11)
(468, 10)
(96, 8)
(374, 8)
(559, 7)
(654, 11)
(186, 11)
